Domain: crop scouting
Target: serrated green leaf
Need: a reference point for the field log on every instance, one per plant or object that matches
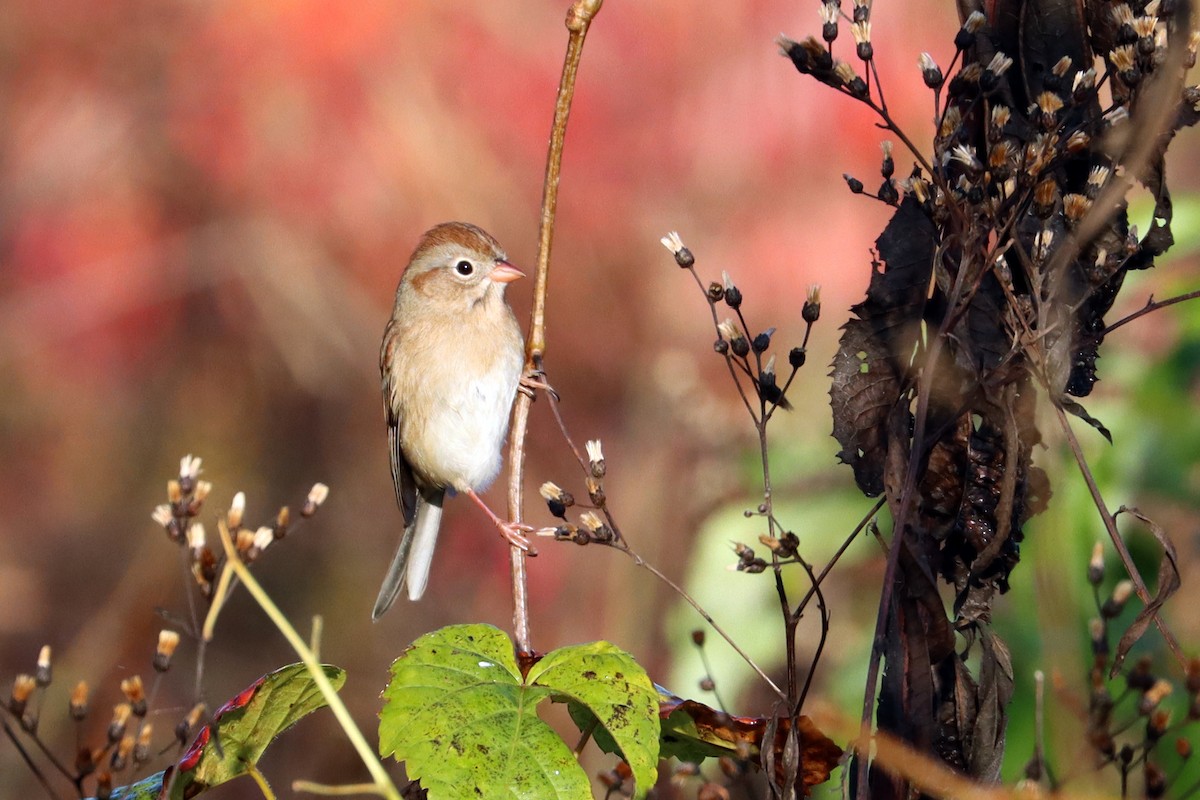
(460, 717)
(616, 690)
(246, 725)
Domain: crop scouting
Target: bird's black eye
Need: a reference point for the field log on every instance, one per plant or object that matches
(464, 268)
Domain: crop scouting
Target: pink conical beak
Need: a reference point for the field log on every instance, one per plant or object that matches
(505, 272)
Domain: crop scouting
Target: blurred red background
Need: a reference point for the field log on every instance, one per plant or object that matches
(204, 209)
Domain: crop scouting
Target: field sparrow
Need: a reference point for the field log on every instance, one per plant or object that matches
(451, 363)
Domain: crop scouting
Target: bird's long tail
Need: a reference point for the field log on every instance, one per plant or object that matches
(410, 565)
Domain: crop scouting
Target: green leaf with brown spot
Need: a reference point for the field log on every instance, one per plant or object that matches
(462, 718)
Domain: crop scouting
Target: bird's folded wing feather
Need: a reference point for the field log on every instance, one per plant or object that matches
(402, 474)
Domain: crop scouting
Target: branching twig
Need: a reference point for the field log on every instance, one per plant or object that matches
(579, 19)
(1151, 305)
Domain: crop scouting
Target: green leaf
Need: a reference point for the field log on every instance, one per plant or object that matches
(147, 788)
(245, 726)
(611, 685)
(463, 719)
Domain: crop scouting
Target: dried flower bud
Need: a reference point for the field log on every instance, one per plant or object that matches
(317, 496)
(706, 684)
(856, 186)
(729, 330)
(120, 756)
(965, 38)
(1044, 196)
(888, 192)
(174, 491)
(1116, 603)
(162, 515)
(1154, 695)
(861, 31)
(715, 292)
(762, 341)
(1099, 635)
(85, 762)
(797, 357)
(282, 519)
(196, 537)
(167, 642)
(189, 468)
(243, 540)
(595, 526)
(595, 490)
(22, 689)
(43, 672)
(698, 637)
(237, 510)
(78, 706)
(721, 346)
(1049, 104)
(120, 718)
(930, 72)
(989, 79)
(829, 21)
(135, 694)
(556, 498)
(1095, 572)
(811, 311)
(141, 751)
(673, 242)
(888, 167)
(1077, 142)
(862, 10)
(595, 454)
(733, 295)
(188, 724)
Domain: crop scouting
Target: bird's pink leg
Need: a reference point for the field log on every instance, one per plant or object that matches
(509, 530)
(533, 380)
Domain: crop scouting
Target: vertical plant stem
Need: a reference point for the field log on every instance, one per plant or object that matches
(579, 19)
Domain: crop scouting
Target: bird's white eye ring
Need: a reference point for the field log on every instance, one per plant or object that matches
(464, 268)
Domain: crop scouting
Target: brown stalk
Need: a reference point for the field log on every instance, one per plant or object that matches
(579, 19)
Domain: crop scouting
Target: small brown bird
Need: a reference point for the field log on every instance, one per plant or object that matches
(451, 363)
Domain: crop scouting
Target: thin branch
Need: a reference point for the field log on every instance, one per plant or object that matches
(37, 773)
(1110, 524)
(1151, 305)
(579, 19)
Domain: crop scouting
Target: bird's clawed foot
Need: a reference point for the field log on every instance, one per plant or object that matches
(533, 380)
(514, 532)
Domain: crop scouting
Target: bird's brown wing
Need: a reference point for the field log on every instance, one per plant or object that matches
(402, 475)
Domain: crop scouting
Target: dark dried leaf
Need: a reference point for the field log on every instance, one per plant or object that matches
(873, 357)
(1075, 409)
(994, 693)
(1168, 584)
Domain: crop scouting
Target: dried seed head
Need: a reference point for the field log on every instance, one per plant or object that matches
(162, 515)
(861, 31)
(1061, 66)
(1044, 196)
(1099, 635)
(829, 21)
(135, 694)
(141, 751)
(1095, 571)
(237, 510)
(317, 497)
(1097, 178)
(43, 673)
(189, 468)
(844, 72)
(999, 118)
(79, 701)
(203, 488)
(733, 334)
(196, 537)
(595, 490)
(22, 689)
(965, 37)
(698, 637)
(854, 183)
(951, 121)
(167, 642)
(1077, 142)
(1154, 695)
(1075, 207)
(811, 311)
(999, 64)
(1124, 61)
(120, 718)
(595, 455)
(120, 756)
(965, 156)
(931, 73)
(174, 491)
(672, 241)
